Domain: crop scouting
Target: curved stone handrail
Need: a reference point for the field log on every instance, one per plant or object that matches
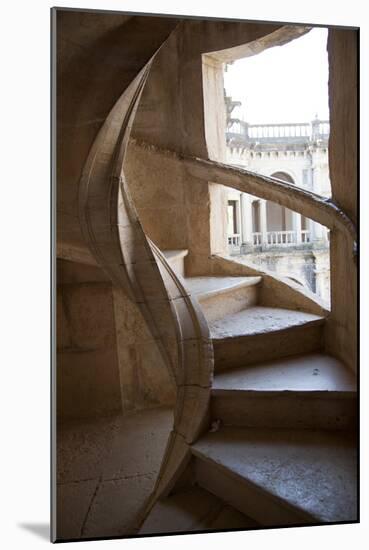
(115, 237)
(320, 209)
(307, 203)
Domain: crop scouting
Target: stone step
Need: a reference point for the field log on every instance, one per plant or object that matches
(176, 260)
(281, 477)
(304, 391)
(193, 510)
(262, 333)
(223, 296)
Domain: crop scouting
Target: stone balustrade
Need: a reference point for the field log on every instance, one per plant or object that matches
(267, 131)
(234, 240)
(305, 236)
(301, 131)
(281, 238)
(273, 239)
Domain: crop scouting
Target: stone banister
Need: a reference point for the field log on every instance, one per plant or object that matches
(303, 201)
(311, 205)
(279, 132)
(113, 232)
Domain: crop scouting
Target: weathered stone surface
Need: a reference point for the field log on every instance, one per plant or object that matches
(343, 151)
(285, 409)
(310, 372)
(139, 444)
(259, 320)
(299, 468)
(164, 118)
(87, 383)
(176, 259)
(106, 471)
(181, 512)
(274, 291)
(81, 302)
(198, 358)
(265, 346)
(88, 88)
(148, 178)
(341, 326)
(69, 272)
(222, 296)
(87, 373)
(144, 376)
(83, 447)
(73, 502)
(192, 411)
(193, 510)
(116, 504)
(175, 461)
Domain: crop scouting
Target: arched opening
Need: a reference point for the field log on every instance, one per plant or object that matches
(280, 221)
(256, 216)
(283, 176)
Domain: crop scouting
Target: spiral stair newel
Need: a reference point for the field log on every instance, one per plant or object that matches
(114, 234)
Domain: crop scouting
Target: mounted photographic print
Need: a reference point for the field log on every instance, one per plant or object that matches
(205, 201)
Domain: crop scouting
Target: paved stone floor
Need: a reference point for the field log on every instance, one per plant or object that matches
(194, 509)
(106, 471)
(259, 320)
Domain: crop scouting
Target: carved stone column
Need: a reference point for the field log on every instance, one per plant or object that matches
(263, 222)
(296, 222)
(246, 220)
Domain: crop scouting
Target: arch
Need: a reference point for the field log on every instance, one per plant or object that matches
(279, 218)
(298, 280)
(275, 216)
(255, 213)
(283, 173)
(283, 176)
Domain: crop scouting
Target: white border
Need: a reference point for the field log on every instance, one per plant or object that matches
(25, 238)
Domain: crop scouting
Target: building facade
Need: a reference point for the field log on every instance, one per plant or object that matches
(264, 232)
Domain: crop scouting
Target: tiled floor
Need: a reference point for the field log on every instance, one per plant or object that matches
(106, 471)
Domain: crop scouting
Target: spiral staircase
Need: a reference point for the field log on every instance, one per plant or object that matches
(281, 445)
(265, 419)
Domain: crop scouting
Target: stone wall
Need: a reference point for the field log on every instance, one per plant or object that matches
(308, 267)
(341, 327)
(180, 116)
(292, 163)
(87, 363)
(107, 361)
(174, 213)
(98, 55)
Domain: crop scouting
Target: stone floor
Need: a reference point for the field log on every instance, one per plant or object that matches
(259, 320)
(194, 509)
(106, 471)
(310, 470)
(213, 285)
(308, 372)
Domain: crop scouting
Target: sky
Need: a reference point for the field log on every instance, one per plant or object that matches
(282, 84)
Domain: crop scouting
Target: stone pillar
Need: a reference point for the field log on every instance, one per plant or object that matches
(310, 226)
(218, 223)
(263, 222)
(296, 224)
(322, 275)
(316, 230)
(246, 220)
(315, 128)
(239, 220)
